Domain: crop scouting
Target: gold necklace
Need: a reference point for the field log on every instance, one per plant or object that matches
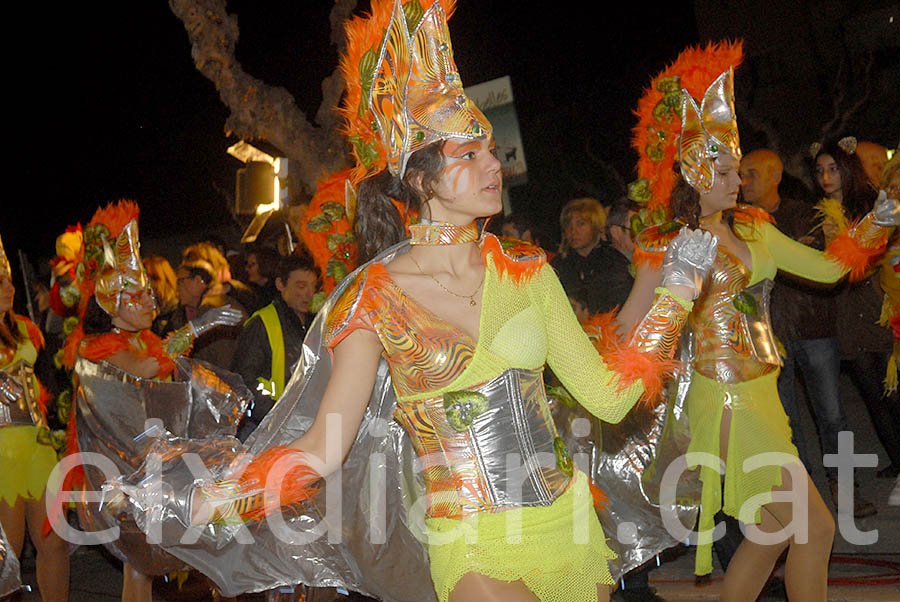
(471, 297)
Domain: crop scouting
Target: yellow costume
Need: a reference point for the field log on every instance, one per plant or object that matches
(26, 462)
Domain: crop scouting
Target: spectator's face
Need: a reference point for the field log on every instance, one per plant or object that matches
(726, 186)
(828, 175)
(136, 310)
(580, 232)
(757, 179)
(7, 292)
(190, 288)
(253, 273)
(298, 291)
(509, 230)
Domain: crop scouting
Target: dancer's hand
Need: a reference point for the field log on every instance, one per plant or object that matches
(886, 211)
(688, 259)
(215, 317)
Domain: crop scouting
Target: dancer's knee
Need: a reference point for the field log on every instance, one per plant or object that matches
(821, 528)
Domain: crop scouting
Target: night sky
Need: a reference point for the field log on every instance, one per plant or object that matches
(110, 105)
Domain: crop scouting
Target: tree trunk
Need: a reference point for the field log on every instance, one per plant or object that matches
(260, 111)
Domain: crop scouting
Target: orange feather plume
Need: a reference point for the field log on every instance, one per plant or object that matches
(364, 36)
(284, 476)
(518, 270)
(697, 68)
(115, 216)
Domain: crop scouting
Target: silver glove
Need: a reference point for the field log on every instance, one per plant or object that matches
(215, 317)
(688, 259)
(887, 211)
(10, 389)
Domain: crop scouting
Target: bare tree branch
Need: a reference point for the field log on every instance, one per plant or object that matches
(260, 111)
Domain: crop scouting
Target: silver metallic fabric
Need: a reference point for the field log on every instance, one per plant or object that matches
(689, 258)
(515, 423)
(630, 474)
(18, 400)
(10, 580)
(119, 415)
(369, 545)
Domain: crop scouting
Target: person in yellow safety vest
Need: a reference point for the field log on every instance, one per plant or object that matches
(272, 339)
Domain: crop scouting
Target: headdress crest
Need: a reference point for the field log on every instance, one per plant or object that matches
(696, 73)
(5, 268)
(403, 89)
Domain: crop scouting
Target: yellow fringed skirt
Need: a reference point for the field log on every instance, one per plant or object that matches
(25, 464)
(558, 551)
(758, 425)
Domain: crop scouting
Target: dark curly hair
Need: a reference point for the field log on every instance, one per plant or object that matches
(378, 224)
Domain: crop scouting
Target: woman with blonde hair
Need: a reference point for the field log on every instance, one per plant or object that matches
(162, 281)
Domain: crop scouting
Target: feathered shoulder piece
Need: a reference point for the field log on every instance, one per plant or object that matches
(655, 137)
(751, 214)
(651, 244)
(516, 258)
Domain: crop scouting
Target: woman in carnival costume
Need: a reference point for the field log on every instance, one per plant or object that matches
(732, 404)
(465, 324)
(26, 454)
(124, 372)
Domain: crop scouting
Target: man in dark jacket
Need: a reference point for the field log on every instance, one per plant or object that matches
(271, 342)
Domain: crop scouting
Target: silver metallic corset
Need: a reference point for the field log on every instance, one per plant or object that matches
(731, 325)
(23, 411)
(488, 448)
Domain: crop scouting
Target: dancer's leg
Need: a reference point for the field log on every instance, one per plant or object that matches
(136, 586)
(52, 554)
(13, 520)
(806, 569)
(473, 587)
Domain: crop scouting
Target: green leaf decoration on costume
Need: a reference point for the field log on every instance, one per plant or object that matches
(746, 303)
(179, 341)
(333, 211)
(79, 273)
(43, 435)
(562, 395)
(367, 65)
(563, 459)
(655, 152)
(70, 294)
(639, 190)
(337, 269)
(320, 223)
(57, 359)
(58, 439)
(333, 241)
(69, 325)
(413, 12)
(659, 216)
(365, 152)
(463, 407)
(669, 85)
(670, 227)
(315, 304)
(637, 224)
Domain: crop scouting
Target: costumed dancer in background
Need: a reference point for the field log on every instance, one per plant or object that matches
(25, 460)
(465, 323)
(732, 404)
(112, 341)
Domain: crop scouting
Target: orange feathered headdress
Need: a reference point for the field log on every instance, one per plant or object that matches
(656, 135)
(403, 88)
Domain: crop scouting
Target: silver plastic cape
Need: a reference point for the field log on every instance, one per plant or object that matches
(10, 580)
(119, 417)
(631, 477)
(369, 545)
